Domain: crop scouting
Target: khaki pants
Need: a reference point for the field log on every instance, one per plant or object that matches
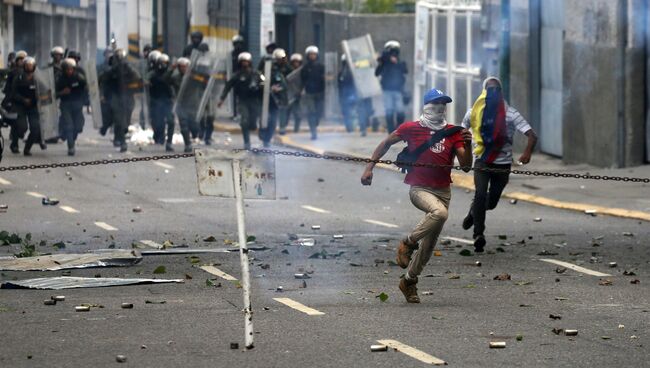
(435, 203)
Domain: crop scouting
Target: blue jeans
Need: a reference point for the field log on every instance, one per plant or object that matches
(394, 106)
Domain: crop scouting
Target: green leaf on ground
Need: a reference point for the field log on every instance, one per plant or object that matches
(470, 286)
(500, 250)
(160, 270)
(209, 282)
(59, 245)
(465, 253)
(251, 238)
(520, 337)
(383, 297)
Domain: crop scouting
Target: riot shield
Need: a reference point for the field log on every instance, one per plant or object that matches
(332, 106)
(294, 84)
(216, 84)
(48, 108)
(93, 92)
(190, 103)
(360, 54)
(140, 91)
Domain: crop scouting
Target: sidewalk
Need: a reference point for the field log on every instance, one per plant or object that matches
(628, 200)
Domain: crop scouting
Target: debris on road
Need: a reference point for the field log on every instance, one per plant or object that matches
(49, 201)
(137, 209)
(279, 289)
(383, 297)
(478, 264)
(356, 264)
(591, 212)
(3, 208)
(160, 270)
(304, 242)
(378, 348)
(547, 253)
(513, 201)
(315, 227)
(497, 344)
(302, 276)
(49, 302)
(127, 305)
(629, 273)
(628, 234)
(58, 298)
(454, 277)
(234, 345)
(120, 358)
(155, 302)
(613, 264)
(338, 236)
(427, 293)
(635, 282)
(554, 316)
(82, 308)
(537, 219)
(503, 277)
(605, 282)
(520, 337)
(571, 332)
(55, 262)
(465, 253)
(321, 180)
(560, 299)
(210, 239)
(560, 270)
(621, 327)
(66, 282)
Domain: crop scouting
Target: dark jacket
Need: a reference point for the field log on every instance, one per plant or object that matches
(313, 77)
(393, 76)
(347, 91)
(247, 85)
(77, 85)
(187, 51)
(23, 89)
(161, 85)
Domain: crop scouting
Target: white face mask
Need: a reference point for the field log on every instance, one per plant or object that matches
(434, 116)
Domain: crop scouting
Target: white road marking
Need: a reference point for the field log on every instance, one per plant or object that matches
(217, 272)
(571, 266)
(315, 209)
(35, 194)
(298, 306)
(380, 223)
(4, 181)
(163, 165)
(412, 352)
(68, 209)
(151, 244)
(458, 240)
(177, 200)
(92, 141)
(105, 226)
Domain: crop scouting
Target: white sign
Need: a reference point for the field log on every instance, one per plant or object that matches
(267, 25)
(214, 170)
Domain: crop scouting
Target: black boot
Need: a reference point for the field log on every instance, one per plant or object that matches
(14, 146)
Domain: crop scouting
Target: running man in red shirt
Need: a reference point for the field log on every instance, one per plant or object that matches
(430, 186)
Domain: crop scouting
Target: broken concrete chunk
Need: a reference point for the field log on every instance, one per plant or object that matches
(121, 358)
(502, 277)
(234, 345)
(315, 227)
(571, 332)
(301, 276)
(605, 282)
(337, 236)
(127, 305)
(305, 242)
(49, 302)
(378, 348)
(82, 308)
(137, 209)
(58, 298)
(537, 219)
(554, 316)
(49, 201)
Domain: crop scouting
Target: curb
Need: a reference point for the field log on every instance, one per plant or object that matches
(233, 128)
(467, 182)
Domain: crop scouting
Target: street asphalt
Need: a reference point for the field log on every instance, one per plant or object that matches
(465, 310)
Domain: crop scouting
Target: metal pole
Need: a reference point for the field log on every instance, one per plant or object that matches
(243, 254)
(267, 94)
(504, 51)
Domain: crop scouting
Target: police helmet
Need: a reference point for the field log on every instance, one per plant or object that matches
(296, 57)
(153, 56)
(392, 45)
(279, 54)
(237, 39)
(197, 34)
(183, 61)
(311, 50)
(69, 63)
(21, 55)
(29, 61)
(163, 59)
(57, 50)
(245, 56)
(74, 55)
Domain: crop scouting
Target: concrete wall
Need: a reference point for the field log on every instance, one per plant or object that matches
(603, 85)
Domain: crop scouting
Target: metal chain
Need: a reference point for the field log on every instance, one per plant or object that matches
(330, 157)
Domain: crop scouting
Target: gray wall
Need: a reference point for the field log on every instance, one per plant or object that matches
(603, 85)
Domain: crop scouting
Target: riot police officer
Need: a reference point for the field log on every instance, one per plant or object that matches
(161, 94)
(18, 130)
(392, 72)
(279, 101)
(247, 84)
(25, 96)
(313, 80)
(57, 56)
(268, 57)
(72, 89)
(196, 38)
(294, 107)
(188, 126)
(103, 73)
(238, 46)
(124, 81)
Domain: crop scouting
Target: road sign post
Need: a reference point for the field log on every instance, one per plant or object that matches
(238, 175)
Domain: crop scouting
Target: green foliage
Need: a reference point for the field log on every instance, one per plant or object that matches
(27, 249)
(380, 6)
(7, 239)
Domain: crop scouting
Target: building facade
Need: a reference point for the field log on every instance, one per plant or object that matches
(577, 69)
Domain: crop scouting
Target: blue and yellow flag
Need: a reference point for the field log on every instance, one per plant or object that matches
(488, 124)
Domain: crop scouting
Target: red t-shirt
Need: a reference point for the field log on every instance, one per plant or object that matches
(441, 153)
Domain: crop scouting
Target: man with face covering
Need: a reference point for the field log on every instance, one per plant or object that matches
(493, 123)
(430, 186)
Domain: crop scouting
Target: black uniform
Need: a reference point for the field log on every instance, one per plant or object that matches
(278, 103)
(9, 107)
(313, 80)
(161, 94)
(123, 82)
(24, 97)
(72, 103)
(103, 78)
(247, 85)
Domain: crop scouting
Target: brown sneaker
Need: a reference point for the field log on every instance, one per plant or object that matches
(404, 253)
(409, 290)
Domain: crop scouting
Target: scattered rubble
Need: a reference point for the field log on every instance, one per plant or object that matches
(378, 348)
(497, 344)
(121, 358)
(502, 277)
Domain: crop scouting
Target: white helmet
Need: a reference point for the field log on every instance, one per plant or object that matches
(245, 56)
(57, 50)
(296, 57)
(153, 56)
(69, 63)
(311, 49)
(21, 54)
(29, 61)
(392, 45)
(237, 39)
(163, 58)
(183, 61)
(279, 54)
(121, 54)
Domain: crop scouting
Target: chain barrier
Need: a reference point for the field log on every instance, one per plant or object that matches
(329, 157)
